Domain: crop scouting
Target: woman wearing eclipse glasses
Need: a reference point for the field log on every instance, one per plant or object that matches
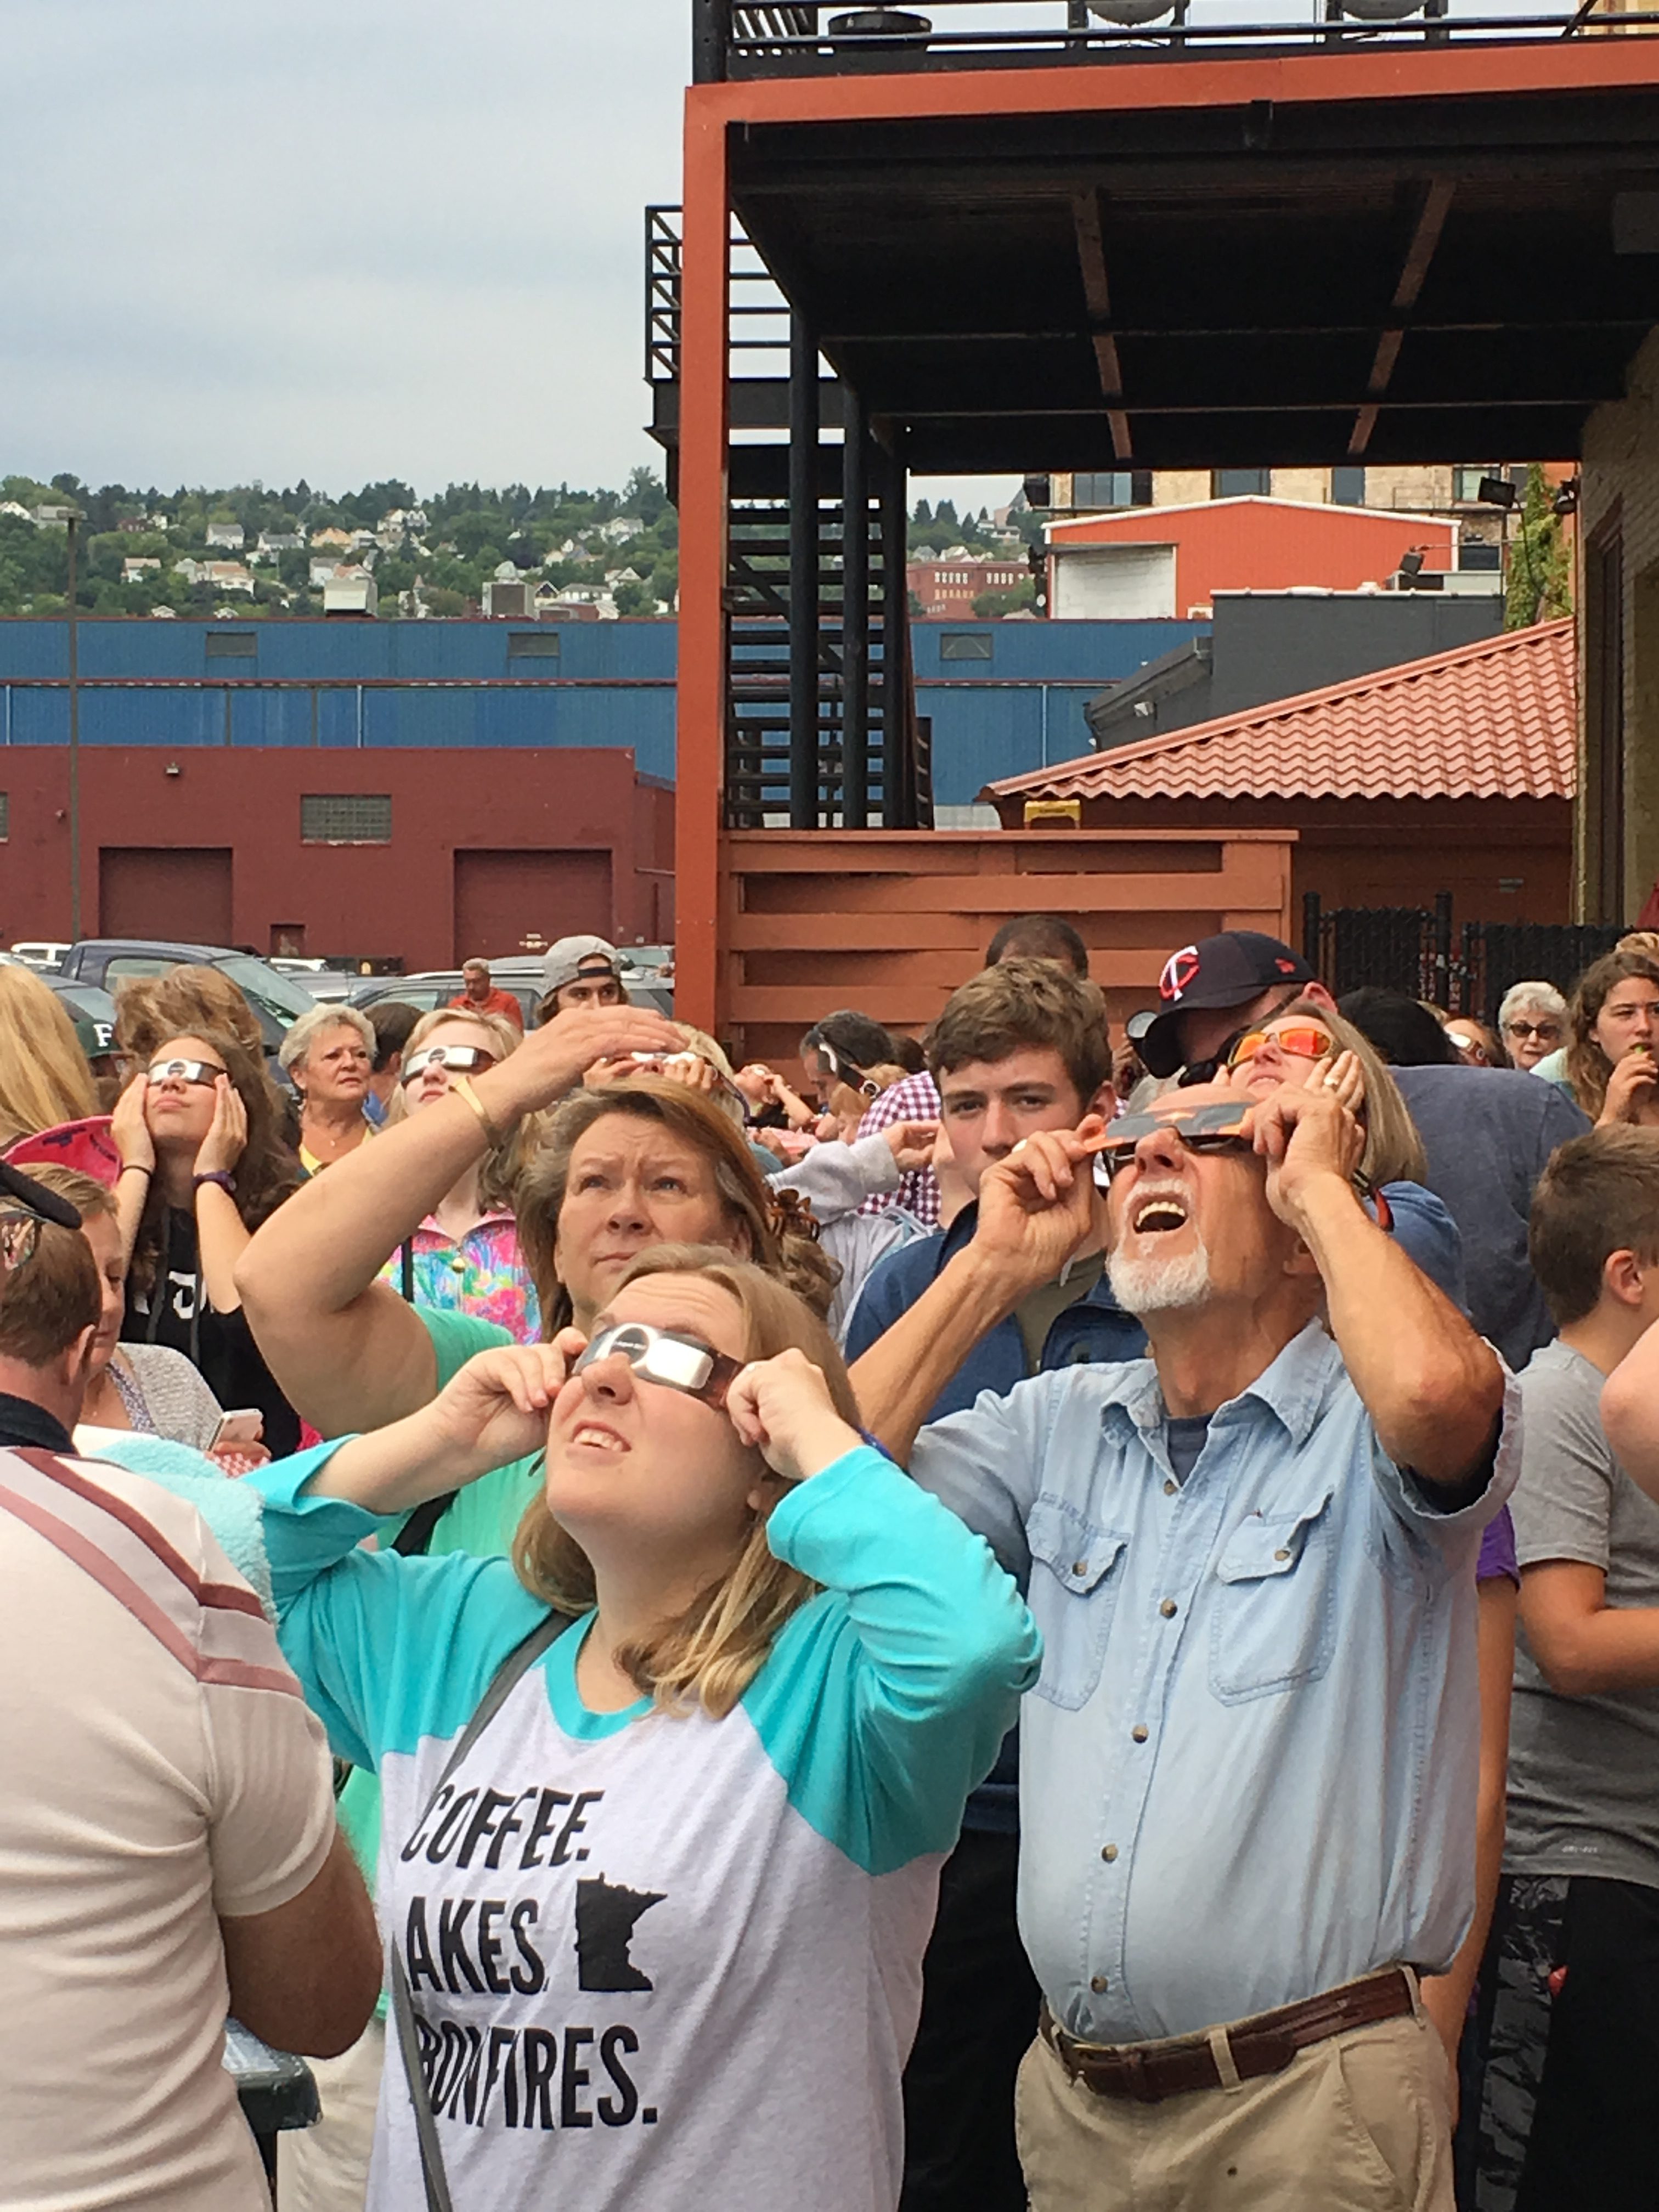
(666, 1797)
(464, 1257)
(202, 1166)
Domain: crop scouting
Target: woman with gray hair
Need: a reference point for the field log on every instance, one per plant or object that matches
(329, 1056)
(1532, 1021)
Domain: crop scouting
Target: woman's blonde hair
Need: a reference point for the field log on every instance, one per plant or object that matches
(90, 1198)
(1589, 1068)
(317, 1022)
(1393, 1151)
(779, 1232)
(44, 1076)
(711, 1654)
(503, 1163)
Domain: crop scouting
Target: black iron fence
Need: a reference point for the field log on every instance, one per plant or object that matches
(1417, 950)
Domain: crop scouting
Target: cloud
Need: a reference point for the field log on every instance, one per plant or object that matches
(340, 242)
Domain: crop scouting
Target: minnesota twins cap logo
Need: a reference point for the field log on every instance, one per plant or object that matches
(1179, 969)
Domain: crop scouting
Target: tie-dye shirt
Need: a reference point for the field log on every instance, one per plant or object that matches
(480, 1273)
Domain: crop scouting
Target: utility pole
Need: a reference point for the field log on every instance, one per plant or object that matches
(74, 742)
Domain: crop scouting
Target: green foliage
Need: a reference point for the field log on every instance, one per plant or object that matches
(1539, 584)
(991, 604)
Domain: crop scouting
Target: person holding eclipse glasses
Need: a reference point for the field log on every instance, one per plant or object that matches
(202, 1166)
(665, 1798)
(1251, 1556)
(464, 1257)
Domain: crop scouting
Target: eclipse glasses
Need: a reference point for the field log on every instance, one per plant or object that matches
(664, 1356)
(462, 1058)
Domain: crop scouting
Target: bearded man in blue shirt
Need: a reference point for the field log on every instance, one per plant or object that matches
(1248, 1768)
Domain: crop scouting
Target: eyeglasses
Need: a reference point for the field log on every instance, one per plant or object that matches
(661, 1355)
(1217, 1129)
(1545, 1032)
(1303, 1040)
(464, 1059)
(845, 1071)
(185, 1070)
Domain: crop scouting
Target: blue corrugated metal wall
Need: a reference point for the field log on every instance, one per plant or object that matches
(612, 684)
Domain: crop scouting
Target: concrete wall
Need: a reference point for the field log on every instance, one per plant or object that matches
(1620, 495)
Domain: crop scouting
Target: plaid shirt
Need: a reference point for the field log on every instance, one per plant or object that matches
(915, 1099)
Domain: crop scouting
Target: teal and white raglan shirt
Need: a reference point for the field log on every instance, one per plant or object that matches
(660, 1961)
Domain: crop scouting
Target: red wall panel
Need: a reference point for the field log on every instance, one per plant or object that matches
(392, 899)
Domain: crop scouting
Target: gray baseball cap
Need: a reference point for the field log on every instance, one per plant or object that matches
(572, 958)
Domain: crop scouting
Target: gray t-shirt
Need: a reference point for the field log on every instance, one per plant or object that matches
(1583, 1772)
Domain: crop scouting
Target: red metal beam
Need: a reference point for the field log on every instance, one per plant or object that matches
(700, 717)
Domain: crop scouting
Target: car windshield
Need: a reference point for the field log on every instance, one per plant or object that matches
(275, 994)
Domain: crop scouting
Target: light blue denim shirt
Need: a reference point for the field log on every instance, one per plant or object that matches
(1249, 1766)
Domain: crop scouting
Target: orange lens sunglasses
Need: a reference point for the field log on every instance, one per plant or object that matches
(1306, 1042)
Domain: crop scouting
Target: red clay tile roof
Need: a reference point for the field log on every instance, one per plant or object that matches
(1497, 720)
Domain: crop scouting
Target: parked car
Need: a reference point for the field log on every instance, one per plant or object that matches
(93, 1011)
(278, 1000)
(39, 952)
(522, 977)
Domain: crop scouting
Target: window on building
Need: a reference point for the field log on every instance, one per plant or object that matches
(966, 645)
(345, 817)
(533, 645)
(1466, 479)
(232, 645)
(1240, 483)
(5, 816)
(1347, 487)
(1476, 553)
(1113, 488)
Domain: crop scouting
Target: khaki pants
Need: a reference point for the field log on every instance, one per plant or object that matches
(1361, 2123)
(325, 2168)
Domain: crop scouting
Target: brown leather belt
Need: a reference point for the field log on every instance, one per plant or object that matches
(1150, 2072)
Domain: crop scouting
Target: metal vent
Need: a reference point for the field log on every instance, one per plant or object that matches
(532, 645)
(5, 816)
(966, 645)
(232, 645)
(345, 817)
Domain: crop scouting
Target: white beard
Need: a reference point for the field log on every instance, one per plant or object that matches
(1153, 1286)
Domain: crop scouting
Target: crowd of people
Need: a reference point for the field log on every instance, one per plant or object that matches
(1031, 1616)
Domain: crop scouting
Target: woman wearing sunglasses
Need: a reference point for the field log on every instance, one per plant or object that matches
(464, 1257)
(202, 1166)
(1311, 1046)
(661, 1927)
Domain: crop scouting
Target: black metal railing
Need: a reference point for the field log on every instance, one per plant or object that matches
(1414, 950)
(732, 38)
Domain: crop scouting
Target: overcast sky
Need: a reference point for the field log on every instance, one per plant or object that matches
(395, 237)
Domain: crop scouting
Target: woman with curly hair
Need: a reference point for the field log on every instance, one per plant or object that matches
(1612, 1036)
(202, 1166)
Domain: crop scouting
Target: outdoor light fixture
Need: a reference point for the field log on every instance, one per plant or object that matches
(1565, 501)
(1130, 12)
(1496, 491)
(1411, 564)
(172, 768)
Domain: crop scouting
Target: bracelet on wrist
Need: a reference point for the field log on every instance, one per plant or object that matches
(223, 1177)
(134, 1167)
(462, 1086)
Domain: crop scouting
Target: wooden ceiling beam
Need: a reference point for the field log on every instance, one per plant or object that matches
(1430, 221)
(1088, 222)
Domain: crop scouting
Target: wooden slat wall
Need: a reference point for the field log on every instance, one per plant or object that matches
(892, 920)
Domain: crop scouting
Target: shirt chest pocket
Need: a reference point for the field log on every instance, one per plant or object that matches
(1077, 1568)
(1275, 1613)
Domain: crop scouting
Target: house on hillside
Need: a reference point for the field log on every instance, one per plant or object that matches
(13, 507)
(1453, 772)
(230, 535)
(139, 565)
(226, 576)
(280, 541)
(339, 539)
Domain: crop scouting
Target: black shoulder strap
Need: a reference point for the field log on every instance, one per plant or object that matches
(518, 1662)
(413, 1539)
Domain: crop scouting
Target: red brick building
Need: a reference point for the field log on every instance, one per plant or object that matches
(949, 587)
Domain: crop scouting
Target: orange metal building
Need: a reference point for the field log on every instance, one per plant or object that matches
(1182, 245)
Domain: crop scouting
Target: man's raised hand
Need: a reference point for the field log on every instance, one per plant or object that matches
(1039, 1206)
(1306, 1137)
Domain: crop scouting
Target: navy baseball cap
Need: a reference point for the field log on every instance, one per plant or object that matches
(1226, 971)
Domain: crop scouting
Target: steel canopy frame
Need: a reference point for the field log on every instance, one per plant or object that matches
(724, 121)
